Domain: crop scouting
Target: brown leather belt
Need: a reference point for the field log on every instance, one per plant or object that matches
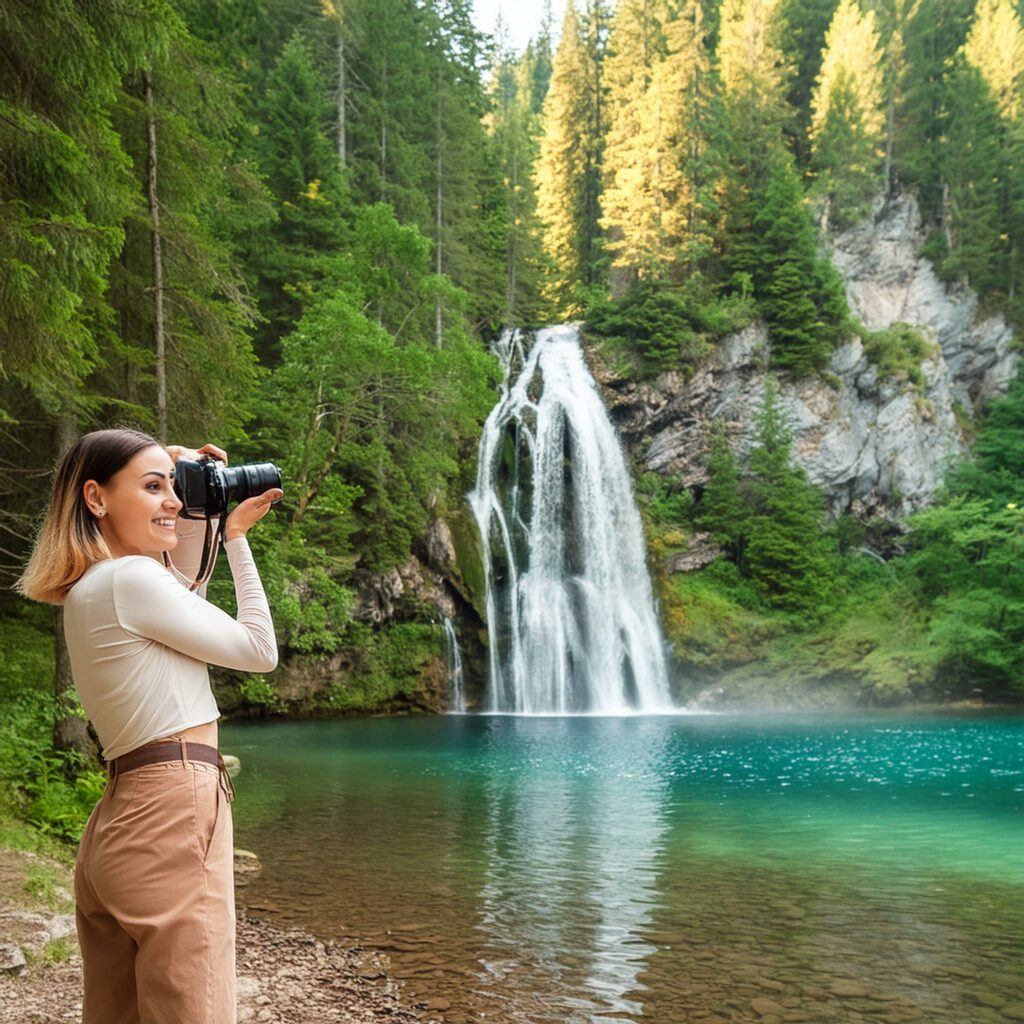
(157, 751)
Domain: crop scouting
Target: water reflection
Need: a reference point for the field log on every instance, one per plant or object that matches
(570, 868)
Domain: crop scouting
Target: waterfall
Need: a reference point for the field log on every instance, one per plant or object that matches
(453, 656)
(570, 613)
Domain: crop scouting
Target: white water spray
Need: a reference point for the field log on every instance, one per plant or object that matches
(570, 612)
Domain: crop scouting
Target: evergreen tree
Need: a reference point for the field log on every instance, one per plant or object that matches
(691, 145)
(568, 168)
(293, 258)
(514, 127)
(468, 199)
(754, 75)
(183, 359)
(933, 36)
(65, 186)
(995, 46)
(802, 39)
(970, 247)
(847, 123)
(632, 196)
(787, 555)
(723, 510)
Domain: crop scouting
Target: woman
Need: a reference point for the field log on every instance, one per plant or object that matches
(154, 874)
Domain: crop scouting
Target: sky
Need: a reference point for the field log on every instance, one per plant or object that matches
(522, 17)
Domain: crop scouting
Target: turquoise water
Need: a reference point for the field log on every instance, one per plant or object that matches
(718, 867)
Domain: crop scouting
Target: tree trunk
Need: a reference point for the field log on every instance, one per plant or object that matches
(70, 732)
(341, 92)
(158, 267)
(437, 203)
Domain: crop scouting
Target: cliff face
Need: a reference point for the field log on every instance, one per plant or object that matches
(875, 447)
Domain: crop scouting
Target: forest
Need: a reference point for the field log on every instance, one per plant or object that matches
(295, 228)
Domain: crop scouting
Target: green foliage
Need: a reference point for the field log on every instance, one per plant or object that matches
(769, 517)
(666, 328)
(667, 501)
(390, 664)
(963, 559)
(53, 790)
(897, 351)
(723, 509)
(799, 292)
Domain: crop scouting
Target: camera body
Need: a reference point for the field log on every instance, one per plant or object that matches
(207, 486)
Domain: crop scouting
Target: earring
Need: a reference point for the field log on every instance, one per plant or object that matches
(102, 512)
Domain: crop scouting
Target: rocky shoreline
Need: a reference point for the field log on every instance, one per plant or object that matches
(285, 975)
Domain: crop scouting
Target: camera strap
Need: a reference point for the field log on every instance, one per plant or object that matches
(209, 551)
(207, 561)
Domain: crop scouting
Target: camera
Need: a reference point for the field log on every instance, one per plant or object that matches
(207, 487)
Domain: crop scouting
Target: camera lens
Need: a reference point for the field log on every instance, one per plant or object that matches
(241, 482)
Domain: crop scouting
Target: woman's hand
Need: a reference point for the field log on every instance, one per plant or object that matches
(249, 512)
(177, 451)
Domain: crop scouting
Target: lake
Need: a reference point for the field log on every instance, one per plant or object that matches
(815, 866)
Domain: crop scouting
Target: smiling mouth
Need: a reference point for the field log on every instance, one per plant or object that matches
(167, 523)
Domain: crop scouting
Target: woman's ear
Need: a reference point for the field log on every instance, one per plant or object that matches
(93, 498)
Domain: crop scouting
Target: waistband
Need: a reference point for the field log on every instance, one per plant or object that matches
(172, 750)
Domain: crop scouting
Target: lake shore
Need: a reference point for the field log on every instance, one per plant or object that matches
(285, 975)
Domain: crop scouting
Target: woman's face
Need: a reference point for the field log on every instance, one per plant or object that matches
(140, 504)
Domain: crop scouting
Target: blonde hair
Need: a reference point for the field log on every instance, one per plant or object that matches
(69, 540)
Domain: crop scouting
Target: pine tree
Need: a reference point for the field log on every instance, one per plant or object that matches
(514, 127)
(754, 75)
(995, 46)
(65, 186)
(932, 39)
(691, 144)
(971, 169)
(847, 123)
(293, 258)
(631, 197)
(802, 39)
(568, 168)
(799, 293)
(183, 360)
(787, 555)
(723, 511)
(468, 201)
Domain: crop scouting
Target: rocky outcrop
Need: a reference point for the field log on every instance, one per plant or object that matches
(875, 447)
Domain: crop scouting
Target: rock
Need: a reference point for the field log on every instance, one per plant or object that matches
(439, 547)
(247, 866)
(61, 925)
(700, 552)
(875, 447)
(849, 989)
(763, 1007)
(12, 960)
(247, 988)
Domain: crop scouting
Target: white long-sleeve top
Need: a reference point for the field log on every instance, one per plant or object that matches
(139, 640)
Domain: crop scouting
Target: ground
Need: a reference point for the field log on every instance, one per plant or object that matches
(284, 975)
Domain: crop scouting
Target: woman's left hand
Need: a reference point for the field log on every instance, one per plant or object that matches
(177, 451)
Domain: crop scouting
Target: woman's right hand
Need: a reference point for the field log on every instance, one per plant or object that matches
(249, 512)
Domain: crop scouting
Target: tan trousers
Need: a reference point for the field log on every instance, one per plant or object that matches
(155, 899)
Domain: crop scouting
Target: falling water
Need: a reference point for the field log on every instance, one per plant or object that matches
(570, 614)
(456, 696)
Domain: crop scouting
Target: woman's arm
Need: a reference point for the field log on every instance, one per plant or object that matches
(151, 603)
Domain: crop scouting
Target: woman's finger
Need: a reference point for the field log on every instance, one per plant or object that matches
(212, 449)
